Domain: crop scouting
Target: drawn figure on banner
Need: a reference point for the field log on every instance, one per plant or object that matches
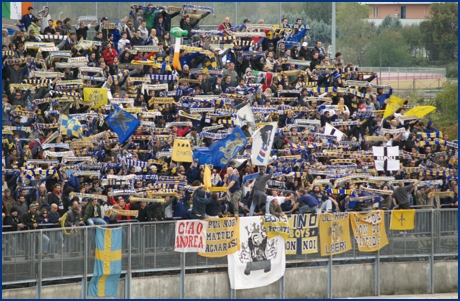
(257, 253)
(265, 133)
(335, 231)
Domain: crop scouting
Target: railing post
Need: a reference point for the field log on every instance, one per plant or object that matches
(377, 274)
(232, 294)
(84, 283)
(128, 273)
(40, 265)
(282, 288)
(329, 277)
(431, 280)
(182, 275)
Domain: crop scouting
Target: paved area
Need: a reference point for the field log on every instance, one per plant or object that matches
(422, 296)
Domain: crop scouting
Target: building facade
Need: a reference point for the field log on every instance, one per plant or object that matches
(407, 12)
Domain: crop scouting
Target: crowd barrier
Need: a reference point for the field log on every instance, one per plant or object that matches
(149, 247)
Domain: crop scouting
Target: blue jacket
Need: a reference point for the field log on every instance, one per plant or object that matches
(429, 128)
(381, 98)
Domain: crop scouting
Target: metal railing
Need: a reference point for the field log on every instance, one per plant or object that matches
(149, 247)
(406, 73)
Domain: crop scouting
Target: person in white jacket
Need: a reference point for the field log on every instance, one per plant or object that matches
(123, 42)
(215, 178)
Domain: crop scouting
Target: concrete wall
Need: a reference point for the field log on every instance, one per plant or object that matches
(445, 276)
(355, 280)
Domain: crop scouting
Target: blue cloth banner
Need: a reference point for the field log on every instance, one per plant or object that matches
(222, 151)
(107, 263)
(122, 123)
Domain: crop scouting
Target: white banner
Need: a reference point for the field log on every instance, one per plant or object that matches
(190, 236)
(330, 130)
(260, 261)
(245, 116)
(262, 142)
(386, 158)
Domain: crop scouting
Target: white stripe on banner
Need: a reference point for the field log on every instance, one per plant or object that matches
(260, 261)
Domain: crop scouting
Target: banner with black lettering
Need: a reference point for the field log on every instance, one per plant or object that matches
(260, 260)
(276, 226)
(334, 233)
(222, 237)
(369, 230)
(303, 234)
(190, 236)
(386, 158)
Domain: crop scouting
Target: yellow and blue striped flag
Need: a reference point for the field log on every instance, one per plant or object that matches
(107, 263)
(70, 126)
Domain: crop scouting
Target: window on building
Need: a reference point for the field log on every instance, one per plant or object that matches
(403, 12)
(376, 11)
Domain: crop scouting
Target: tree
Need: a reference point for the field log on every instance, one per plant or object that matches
(388, 50)
(355, 33)
(440, 31)
(413, 37)
(446, 114)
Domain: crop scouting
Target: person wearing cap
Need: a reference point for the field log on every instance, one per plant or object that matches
(304, 52)
(100, 27)
(11, 223)
(30, 220)
(26, 19)
(6, 39)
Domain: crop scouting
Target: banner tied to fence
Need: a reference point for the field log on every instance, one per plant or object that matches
(369, 230)
(303, 234)
(334, 232)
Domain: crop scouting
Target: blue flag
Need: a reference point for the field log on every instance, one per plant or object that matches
(222, 151)
(107, 263)
(122, 123)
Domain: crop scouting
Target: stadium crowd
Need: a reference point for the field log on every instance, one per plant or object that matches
(51, 179)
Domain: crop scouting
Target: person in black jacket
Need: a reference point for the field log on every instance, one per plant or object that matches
(145, 214)
(30, 220)
(11, 223)
(199, 202)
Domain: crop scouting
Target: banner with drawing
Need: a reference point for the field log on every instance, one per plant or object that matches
(334, 233)
(260, 260)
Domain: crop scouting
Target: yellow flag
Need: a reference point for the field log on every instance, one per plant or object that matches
(334, 233)
(402, 219)
(222, 237)
(369, 230)
(393, 104)
(182, 151)
(276, 226)
(207, 177)
(96, 95)
(419, 112)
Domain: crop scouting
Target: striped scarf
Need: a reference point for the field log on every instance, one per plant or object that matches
(430, 135)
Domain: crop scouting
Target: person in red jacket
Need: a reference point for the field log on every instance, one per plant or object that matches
(225, 25)
(109, 54)
(123, 206)
(180, 132)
